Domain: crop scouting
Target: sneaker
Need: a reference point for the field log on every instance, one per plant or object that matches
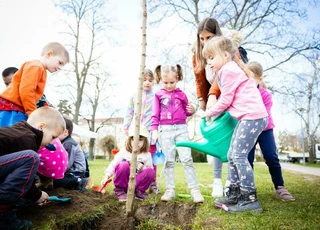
(141, 195)
(82, 184)
(248, 201)
(168, 195)
(121, 194)
(283, 194)
(154, 189)
(9, 220)
(231, 198)
(217, 189)
(196, 196)
(226, 187)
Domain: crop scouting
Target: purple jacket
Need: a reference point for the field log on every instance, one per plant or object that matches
(267, 101)
(169, 108)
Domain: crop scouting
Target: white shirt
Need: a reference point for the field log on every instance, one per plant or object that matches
(210, 75)
(124, 155)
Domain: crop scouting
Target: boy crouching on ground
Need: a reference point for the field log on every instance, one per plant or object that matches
(19, 162)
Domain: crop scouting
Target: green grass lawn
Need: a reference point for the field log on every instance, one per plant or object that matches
(316, 165)
(304, 213)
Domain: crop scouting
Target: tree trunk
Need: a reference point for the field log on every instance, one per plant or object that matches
(91, 148)
(132, 179)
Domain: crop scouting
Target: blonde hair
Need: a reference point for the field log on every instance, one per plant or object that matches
(257, 70)
(144, 148)
(57, 50)
(52, 117)
(233, 35)
(217, 45)
(168, 69)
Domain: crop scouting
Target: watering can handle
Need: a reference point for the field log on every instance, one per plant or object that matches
(158, 146)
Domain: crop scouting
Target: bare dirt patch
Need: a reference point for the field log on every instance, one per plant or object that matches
(92, 210)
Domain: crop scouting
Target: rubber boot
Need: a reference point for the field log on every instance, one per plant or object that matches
(231, 198)
(248, 202)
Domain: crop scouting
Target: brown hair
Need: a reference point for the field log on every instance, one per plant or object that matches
(69, 125)
(148, 72)
(167, 69)
(257, 70)
(144, 148)
(57, 49)
(217, 45)
(211, 25)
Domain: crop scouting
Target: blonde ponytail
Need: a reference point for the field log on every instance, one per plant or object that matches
(257, 71)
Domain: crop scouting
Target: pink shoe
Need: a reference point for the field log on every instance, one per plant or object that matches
(283, 194)
(120, 193)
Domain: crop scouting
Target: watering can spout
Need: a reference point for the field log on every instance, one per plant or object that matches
(204, 147)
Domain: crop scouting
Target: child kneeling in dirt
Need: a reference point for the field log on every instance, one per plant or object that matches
(19, 162)
(120, 167)
(74, 177)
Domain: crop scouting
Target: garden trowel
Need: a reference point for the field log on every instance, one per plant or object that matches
(158, 157)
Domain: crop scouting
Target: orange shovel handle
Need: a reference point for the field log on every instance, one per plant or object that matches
(105, 184)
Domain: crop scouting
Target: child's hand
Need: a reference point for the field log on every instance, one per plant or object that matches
(140, 166)
(202, 105)
(126, 132)
(44, 199)
(154, 136)
(206, 115)
(190, 108)
(212, 100)
(104, 180)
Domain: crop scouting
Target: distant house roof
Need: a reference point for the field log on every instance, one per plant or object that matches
(107, 121)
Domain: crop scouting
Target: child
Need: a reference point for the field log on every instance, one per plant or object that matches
(20, 97)
(147, 102)
(7, 75)
(170, 111)
(74, 177)
(266, 138)
(19, 162)
(120, 167)
(239, 96)
(53, 164)
(207, 88)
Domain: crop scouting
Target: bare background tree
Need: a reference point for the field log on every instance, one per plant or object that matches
(107, 143)
(86, 24)
(275, 31)
(301, 94)
(269, 27)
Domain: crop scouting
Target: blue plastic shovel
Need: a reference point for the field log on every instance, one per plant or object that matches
(58, 199)
(158, 157)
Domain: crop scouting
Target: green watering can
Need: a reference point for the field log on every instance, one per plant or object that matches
(217, 137)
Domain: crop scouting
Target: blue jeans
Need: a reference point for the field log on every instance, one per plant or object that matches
(17, 173)
(268, 148)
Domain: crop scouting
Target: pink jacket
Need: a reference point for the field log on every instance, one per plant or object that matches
(239, 95)
(169, 108)
(267, 101)
(53, 164)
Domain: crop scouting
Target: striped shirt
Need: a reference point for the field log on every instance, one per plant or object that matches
(146, 110)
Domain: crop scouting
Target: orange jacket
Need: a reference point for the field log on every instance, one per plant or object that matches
(203, 87)
(27, 86)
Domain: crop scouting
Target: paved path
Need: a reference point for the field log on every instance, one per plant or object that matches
(297, 168)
